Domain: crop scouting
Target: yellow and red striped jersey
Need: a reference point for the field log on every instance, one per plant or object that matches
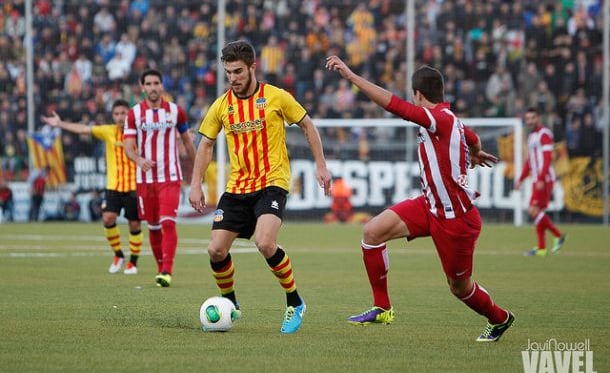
(256, 136)
(120, 170)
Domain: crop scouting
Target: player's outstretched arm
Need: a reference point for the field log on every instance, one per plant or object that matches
(55, 121)
(315, 144)
(379, 95)
(200, 165)
(478, 157)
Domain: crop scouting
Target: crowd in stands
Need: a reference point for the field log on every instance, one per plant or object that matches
(498, 58)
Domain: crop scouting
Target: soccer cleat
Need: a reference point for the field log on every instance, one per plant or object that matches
(374, 315)
(559, 243)
(117, 264)
(535, 252)
(236, 313)
(492, 333)
(131, 269)
(293, 318)
(163, 280)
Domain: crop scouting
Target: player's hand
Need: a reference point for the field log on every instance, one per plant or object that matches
(145, 164)
(336, 64)
(53, 120)
(482, 159)
(539, 185)
(517, 185)
(324, 178)
(197, 198)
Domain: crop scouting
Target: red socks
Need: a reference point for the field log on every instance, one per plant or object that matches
(170, 242)
(377, 265)
(480, 301)
(155, 236)
(543, 222)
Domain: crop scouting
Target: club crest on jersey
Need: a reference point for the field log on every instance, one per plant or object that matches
(261, 103)
(219, 215)
(230, 110)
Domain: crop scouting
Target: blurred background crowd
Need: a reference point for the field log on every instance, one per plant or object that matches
(498, 58)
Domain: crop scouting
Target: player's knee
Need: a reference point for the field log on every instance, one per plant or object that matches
(168, 227)
(370, 235)
(216, 253)
(533, 211)
(266, 246)
(108, 221)
(459, 288)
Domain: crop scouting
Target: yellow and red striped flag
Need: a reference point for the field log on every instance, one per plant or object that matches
(46, 150)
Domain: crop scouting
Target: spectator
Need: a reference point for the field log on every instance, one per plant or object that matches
(37, 188)
(95, 206)
(71, 209)
(104, 20)
(6, 202)
(118, 67)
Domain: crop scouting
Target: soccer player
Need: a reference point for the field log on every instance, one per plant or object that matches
(252, 115)
(445, 211)
(538, 164)
(151, 141)
(120, 193)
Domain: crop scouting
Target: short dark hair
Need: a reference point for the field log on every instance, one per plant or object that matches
(150, 72)
(429, 81)
(239, 50)
(120, 102)
(532, 109)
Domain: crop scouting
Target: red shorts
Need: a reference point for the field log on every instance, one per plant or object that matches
(542, 197)
(158, 199)
(454, 239)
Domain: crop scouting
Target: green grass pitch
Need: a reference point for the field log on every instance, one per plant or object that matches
(62, 312)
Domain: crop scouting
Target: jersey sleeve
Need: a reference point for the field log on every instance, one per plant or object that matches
(292, 110)
(129, 129)
(211, 124)
(101, 132)
(430, 119)
(471, 137)
(182, 125)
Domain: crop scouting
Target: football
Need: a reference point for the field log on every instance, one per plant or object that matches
(217, 314)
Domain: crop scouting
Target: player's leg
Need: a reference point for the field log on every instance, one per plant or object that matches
(111, 206)
(233, 218)
(167, 202)
(147, 210)
(136, 237)
(455, 240)
(547, 223)
(538, 204)
(392, 223)
(269, 208)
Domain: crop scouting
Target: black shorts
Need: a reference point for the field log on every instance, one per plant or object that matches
(239, 212)
(115, 201)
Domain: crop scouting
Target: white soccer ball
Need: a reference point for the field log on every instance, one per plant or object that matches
(217, 314)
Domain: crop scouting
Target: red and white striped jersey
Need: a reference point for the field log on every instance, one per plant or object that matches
(443, 157)
(539, 155)
(156, 132)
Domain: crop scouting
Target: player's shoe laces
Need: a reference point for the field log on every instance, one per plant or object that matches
(535, 252)
(130, 269)
(493, 332)
(117, 264)
(559, 243)
(163, 279)
(374, 315)
(293, 318)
